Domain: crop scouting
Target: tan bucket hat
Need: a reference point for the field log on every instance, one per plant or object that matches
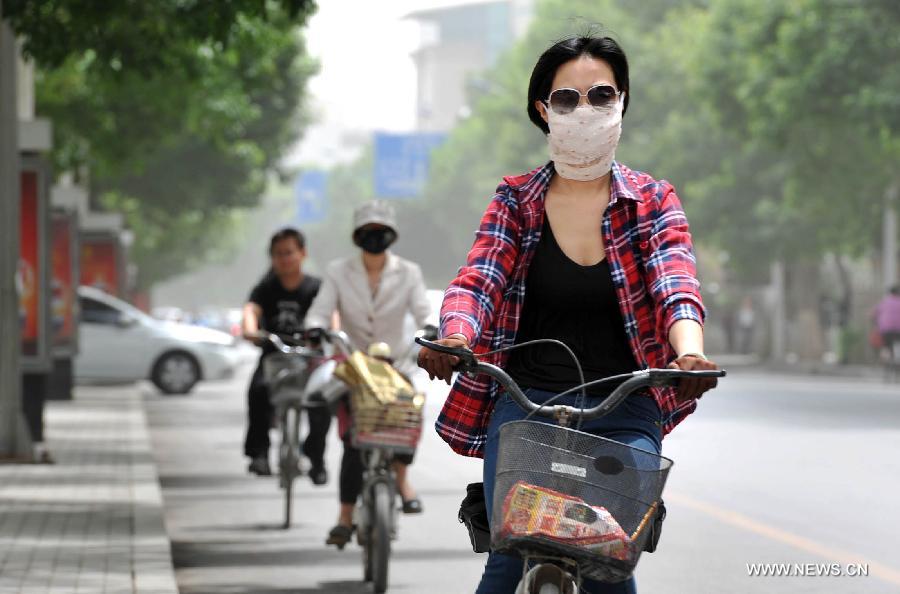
(378, 211)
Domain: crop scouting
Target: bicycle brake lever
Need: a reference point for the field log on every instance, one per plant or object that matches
(467, 360)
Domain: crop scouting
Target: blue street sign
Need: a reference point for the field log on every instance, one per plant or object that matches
(311, 201)
(401, 162)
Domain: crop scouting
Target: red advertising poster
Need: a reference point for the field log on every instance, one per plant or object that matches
(28, 274)
(99, 264)
(62, 297)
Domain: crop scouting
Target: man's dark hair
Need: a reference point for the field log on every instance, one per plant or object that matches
(895, 290)
(287, 233)
(602, 48)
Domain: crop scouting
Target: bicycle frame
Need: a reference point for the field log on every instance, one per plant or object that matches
(376, 509)
(288, 409)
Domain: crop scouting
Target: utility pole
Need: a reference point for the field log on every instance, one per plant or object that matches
(889, 237)
(15, 441)
(779, 314)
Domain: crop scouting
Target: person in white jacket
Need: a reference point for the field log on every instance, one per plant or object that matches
(371, 292)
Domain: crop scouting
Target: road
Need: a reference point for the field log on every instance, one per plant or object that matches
(771, 469)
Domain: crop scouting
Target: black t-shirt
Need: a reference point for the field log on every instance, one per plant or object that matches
(577, 305)
(283, 311)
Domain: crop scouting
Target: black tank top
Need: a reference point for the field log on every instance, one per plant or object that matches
(577, 305)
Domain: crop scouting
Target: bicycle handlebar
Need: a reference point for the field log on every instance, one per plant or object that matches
(338, 338)
(279, 345)
(468, 363)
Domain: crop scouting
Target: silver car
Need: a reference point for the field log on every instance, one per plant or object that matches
(118, 342)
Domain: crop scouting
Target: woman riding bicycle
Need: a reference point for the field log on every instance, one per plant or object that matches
(583, 250)
(372, 293)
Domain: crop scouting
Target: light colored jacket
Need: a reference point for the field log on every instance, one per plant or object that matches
(367, 319)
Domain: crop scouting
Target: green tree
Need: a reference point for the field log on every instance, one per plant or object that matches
(176, 133)
(811, 86)
(808, 93)
(136, 35)
(776, 121)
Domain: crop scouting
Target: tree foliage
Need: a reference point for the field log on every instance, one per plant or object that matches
(173, 113)
(776, 121)
(136, 35)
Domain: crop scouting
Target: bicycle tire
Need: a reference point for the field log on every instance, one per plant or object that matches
(367, 561)
(364, 535)
(380, 541)
(289, 460)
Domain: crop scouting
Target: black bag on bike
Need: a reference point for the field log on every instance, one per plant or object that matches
(655, 528)
(473, 513)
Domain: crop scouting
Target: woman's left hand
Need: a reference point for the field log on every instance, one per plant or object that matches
(690, 388)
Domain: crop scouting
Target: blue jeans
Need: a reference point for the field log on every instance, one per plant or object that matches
(636, 422)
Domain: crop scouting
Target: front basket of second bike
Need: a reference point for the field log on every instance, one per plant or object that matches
(386, 410)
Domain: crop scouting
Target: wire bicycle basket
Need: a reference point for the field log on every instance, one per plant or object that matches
(286, 375)
(385, 409)
(565, 493)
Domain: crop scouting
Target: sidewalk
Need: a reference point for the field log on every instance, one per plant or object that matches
(93, 522)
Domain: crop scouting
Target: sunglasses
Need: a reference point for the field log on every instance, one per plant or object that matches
(563, 101)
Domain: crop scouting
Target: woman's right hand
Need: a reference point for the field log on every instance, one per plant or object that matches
(440, 365)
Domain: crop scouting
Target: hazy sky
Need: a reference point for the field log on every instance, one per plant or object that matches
(367, 78)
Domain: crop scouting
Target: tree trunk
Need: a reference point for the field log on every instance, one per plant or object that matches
(806, 337)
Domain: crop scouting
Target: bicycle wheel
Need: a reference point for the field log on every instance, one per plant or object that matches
(289, 459)
(547, 578)
(367, 560)
(380, 536)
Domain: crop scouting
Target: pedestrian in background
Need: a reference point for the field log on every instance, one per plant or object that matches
(278, 304)
(746, 321)
(887, 323)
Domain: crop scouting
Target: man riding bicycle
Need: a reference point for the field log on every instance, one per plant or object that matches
(278, 304)
(371, 292)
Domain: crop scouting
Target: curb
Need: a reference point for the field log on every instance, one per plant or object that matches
(152, 568)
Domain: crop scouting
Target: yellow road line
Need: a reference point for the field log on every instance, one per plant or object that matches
(879, 570)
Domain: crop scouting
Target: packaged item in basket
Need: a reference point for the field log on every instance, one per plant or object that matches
(530, 510)
(386, 409)
(375, 382)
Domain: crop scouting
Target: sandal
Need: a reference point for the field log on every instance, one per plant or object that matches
(412, 506)
(339, 536)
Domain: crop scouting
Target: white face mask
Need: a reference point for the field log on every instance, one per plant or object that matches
(583, 142)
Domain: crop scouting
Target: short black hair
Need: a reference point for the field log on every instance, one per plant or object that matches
(895, 290)
(287, 233)
(602, 48)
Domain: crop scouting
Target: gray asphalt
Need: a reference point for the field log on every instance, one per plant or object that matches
(771, 469)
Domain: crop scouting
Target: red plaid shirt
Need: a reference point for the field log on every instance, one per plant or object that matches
(651, 259)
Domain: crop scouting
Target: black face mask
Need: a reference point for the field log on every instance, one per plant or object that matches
(374, 241)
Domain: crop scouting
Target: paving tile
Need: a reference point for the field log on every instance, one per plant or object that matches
(93, 522)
